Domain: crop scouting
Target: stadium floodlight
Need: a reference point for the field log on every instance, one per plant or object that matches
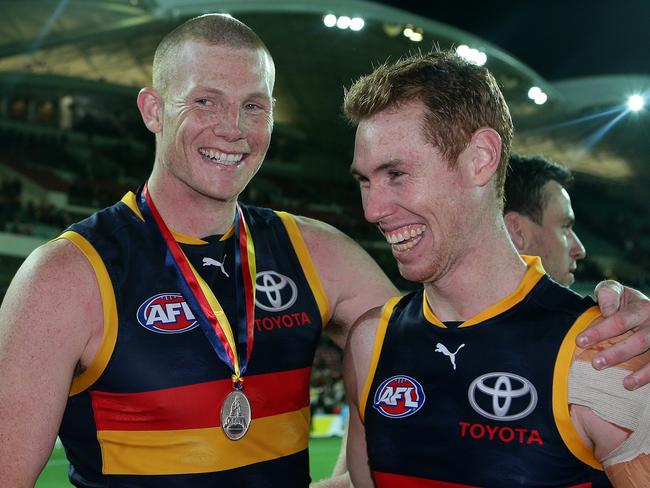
(329, 20)
(356, 23)
(343, 22)
(471, 54)
(541, 98)
(635, 102)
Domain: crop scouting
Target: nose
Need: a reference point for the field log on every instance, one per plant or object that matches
(577, 250)
(375, 203)
(228, 123)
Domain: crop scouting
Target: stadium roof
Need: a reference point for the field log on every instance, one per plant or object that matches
(108, 45)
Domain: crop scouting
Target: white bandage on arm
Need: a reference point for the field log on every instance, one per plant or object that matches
(603, 392)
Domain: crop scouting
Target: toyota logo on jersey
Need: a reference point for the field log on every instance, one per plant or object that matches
(274, 292)
(399, 396)
(502, 396)
(166, 313)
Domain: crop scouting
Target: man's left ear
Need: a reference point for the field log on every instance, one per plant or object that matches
(483, 156)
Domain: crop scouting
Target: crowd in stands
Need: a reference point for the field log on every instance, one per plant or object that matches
(99, 172)
(327, 390)
(606, 210)
(30, 218)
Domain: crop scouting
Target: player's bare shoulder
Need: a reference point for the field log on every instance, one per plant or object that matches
(358, 351)
(55, 293)
(321, 236)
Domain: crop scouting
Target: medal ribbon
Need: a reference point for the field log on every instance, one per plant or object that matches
(201, 299)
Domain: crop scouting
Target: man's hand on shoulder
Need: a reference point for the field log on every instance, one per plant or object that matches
(624, 309)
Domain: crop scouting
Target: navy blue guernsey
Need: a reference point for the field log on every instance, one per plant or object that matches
(146, 412)
(481, 403)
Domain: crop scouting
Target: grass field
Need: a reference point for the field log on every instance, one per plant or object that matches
(322, 456)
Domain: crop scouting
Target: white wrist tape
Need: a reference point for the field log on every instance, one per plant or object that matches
(603, 392)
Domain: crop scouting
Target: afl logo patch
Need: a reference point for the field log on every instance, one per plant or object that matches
(166, 313)
(399, 396)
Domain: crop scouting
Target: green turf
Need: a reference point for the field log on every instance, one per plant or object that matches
(322, 456)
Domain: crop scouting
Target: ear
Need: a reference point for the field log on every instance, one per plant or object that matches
(482, 156)
(151, 107)
(517, 225)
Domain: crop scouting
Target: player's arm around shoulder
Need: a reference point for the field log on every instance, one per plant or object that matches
(613, 421)
(353, 282)
(357, 363)
(50, 322)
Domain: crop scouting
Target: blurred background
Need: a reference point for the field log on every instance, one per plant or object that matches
(575, 74)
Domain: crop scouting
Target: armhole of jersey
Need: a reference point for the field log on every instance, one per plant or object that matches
(109, 336)
(307, 264)
(561, 413)
(386, 313)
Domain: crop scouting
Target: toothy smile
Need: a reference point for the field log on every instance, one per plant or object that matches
(221, 157)
(405, 238)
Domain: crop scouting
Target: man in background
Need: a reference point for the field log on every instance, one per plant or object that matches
(539, 217)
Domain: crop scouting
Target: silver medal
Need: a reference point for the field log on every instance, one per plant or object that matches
(235, 415)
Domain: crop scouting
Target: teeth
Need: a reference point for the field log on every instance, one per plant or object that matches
(221, 157)
(406, 245)
(404, 235)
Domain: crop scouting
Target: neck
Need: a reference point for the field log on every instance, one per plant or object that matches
(188, 212)
(490, 270)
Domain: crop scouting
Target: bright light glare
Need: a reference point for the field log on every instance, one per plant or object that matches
(416, 37)
(462, 50)
(635, 102)
(472, 55)
(535, 91)
(540, 98)
(343, 22)
(408, 32)
(329, 20)
(356, 24)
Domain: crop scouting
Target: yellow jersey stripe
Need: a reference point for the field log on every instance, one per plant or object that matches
(307, 264)
(534, 273)
(109, 336)
(206, 450)
(561, 391)
(386, 313)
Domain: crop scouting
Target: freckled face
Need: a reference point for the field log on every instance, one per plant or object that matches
(409, 191)
(217, 118)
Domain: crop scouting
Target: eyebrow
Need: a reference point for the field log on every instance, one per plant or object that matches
(393, 163)
(216, 91)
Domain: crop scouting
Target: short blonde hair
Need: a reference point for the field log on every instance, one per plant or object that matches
(215, 29)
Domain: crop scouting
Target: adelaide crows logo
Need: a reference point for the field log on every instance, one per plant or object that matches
(166, 313)
(399, 396)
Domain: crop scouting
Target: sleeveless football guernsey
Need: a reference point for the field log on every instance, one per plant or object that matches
(481, 403)
(146, 412)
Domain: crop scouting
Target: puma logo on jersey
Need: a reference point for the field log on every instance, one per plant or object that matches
(214, 262)
(440, 347)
